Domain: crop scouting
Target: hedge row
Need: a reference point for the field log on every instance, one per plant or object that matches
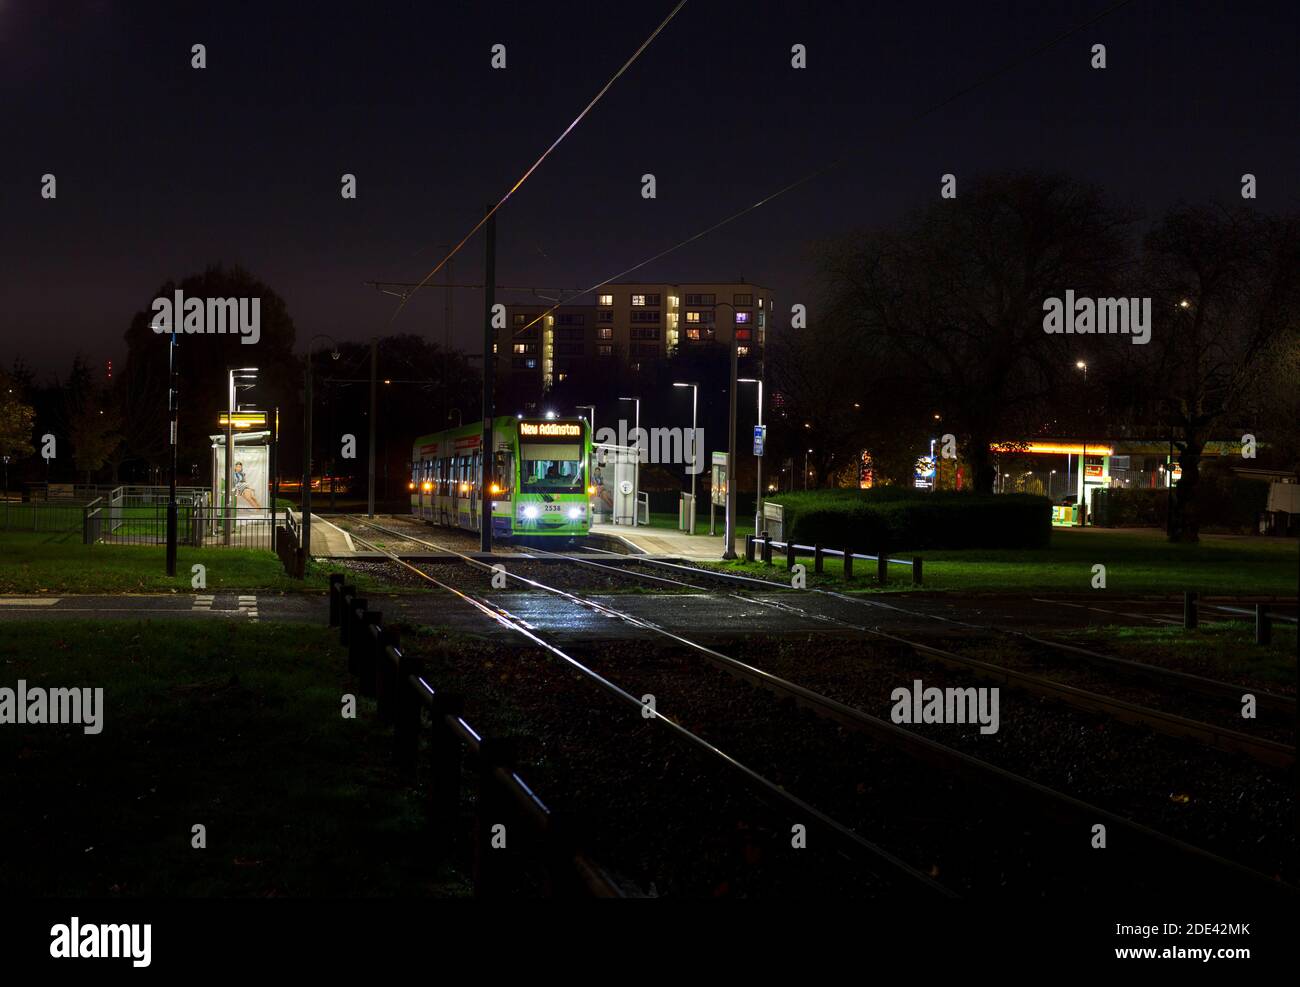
(1222, 501)
(891, 519)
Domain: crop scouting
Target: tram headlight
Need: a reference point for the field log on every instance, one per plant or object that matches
(530, 512)
(427, 486)
(411, 485)
(575, 513)
(496, 488)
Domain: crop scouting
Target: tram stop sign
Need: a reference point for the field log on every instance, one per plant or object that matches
(760, 436)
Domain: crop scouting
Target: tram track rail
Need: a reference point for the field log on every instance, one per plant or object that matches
(854, 846)
(1174, 853)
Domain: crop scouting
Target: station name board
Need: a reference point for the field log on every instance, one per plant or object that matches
(550, 429)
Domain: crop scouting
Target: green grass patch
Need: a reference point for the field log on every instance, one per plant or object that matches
(234, 727)
(1219, 650)
(1137, 562)
(60, 563)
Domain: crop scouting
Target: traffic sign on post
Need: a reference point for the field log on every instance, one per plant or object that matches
(760, 436)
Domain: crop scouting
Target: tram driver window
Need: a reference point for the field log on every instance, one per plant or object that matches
(547, 467)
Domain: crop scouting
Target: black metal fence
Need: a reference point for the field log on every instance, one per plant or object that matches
(404, 698)
(48, 517)
(763, 543)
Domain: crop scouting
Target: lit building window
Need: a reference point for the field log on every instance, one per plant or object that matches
(742, 318)
(742, 351)
(605, 300)
(693, 317)
(638, 300)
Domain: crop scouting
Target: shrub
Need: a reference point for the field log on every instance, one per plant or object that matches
(892, 518)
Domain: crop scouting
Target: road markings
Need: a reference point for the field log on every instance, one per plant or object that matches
(28, 601)
(248, 605)
(203, 602)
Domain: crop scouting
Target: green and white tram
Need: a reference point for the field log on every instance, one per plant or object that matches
(537, 477)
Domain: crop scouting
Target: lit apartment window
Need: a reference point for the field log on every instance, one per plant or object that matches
(560, 376)
(742, 334)
(760, 301)
(742, 351)
(605, 300)
(743, 299)
(525, 347)
(604, 349)
(693, 334)
(692, 318)
(742, 318)
(638, 301)
(605, 332)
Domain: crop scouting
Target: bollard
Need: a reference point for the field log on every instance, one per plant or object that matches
(818, 558)
(445, 756)
(767, 549)
(346, 596)
(882, 568)
(368, 631)
(848, 565)
(749, 548)
(1189, 611)
(336, 591)
(1263, 625)
(789, 555)
(353, 623)
(916, 571)
(491, 865)
(386, 675)
(406, 714)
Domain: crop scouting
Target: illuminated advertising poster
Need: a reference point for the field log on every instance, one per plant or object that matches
(249, 479)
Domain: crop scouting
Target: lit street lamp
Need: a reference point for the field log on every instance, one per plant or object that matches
(695, 395)
(306, 451)
(236, 378)
(636, 435)
(758, 460)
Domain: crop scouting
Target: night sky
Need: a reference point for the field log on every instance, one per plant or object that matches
(163, 169)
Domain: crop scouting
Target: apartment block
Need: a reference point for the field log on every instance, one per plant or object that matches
(637, 321)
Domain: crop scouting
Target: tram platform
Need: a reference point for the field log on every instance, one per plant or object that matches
(657, 541)
(328, 541)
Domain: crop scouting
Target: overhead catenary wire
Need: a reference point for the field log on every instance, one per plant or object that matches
(987, 77)
(545, 154)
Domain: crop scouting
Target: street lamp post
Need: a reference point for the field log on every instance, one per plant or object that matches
(228, 504)
(805, 468)
(758, 460)
(695, 397)
(307, 443)
(172, 412)
(636, 475)
(1083, 460)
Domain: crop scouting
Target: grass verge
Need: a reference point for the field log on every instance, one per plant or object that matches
(236, 728)
(1136, 563)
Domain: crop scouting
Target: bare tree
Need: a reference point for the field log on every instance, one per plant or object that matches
(1225, 290)
(950, 304)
